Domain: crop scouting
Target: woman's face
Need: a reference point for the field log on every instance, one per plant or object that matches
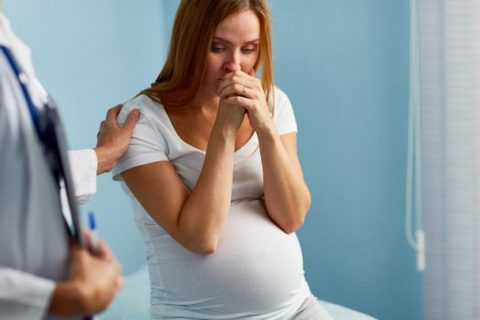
(235, 46)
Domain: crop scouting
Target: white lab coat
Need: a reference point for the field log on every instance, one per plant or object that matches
(33, 240)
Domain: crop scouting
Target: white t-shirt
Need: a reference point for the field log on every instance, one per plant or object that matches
(257, 270)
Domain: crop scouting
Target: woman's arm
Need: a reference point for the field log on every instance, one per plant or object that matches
(287, 198)
(194, 218)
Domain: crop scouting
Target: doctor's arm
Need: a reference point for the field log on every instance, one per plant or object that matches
(91, 284)
(90, 287)
(112, 142)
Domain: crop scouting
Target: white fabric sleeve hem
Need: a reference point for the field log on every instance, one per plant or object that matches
(84, 171)
(138, 161)
(23, 295)
(287, 131)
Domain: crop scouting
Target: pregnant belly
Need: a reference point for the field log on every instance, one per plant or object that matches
(257, 268)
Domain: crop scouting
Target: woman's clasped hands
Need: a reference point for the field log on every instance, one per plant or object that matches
(245, 91)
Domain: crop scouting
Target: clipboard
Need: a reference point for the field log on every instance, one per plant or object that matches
(55, 143)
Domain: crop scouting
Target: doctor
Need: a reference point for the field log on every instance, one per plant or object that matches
(41, 275)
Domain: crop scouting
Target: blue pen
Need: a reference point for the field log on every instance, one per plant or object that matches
(93, 231)
(92, 224)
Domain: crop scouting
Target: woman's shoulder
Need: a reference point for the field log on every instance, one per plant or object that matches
(278, 92)
(149, 108)
(280, 99)
(283, 114)
(142, 102)
(279, 96)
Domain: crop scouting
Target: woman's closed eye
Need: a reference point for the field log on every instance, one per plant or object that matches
(216, 47)
(249, 49)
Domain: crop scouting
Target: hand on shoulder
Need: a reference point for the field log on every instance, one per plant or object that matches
(113, 139)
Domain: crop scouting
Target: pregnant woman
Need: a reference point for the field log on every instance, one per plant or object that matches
(214, 176)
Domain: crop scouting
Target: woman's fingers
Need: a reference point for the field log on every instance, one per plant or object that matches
(242, 102)
(245, 91)
(237, 89)
(240, 78)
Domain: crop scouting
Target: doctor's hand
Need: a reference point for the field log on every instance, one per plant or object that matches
(112, 140)
(91, 285)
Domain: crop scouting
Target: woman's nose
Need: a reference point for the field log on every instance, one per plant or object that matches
(232, 65)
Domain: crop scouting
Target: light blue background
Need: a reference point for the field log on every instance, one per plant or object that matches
(344, 65)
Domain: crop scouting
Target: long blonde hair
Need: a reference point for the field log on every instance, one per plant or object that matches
(192, 35)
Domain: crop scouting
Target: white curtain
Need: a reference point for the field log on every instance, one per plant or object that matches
(448, 60)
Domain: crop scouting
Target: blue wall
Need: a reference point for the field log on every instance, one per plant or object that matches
(344, 65)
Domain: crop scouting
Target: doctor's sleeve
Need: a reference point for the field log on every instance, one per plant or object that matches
(83, 164)
(23, 295)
